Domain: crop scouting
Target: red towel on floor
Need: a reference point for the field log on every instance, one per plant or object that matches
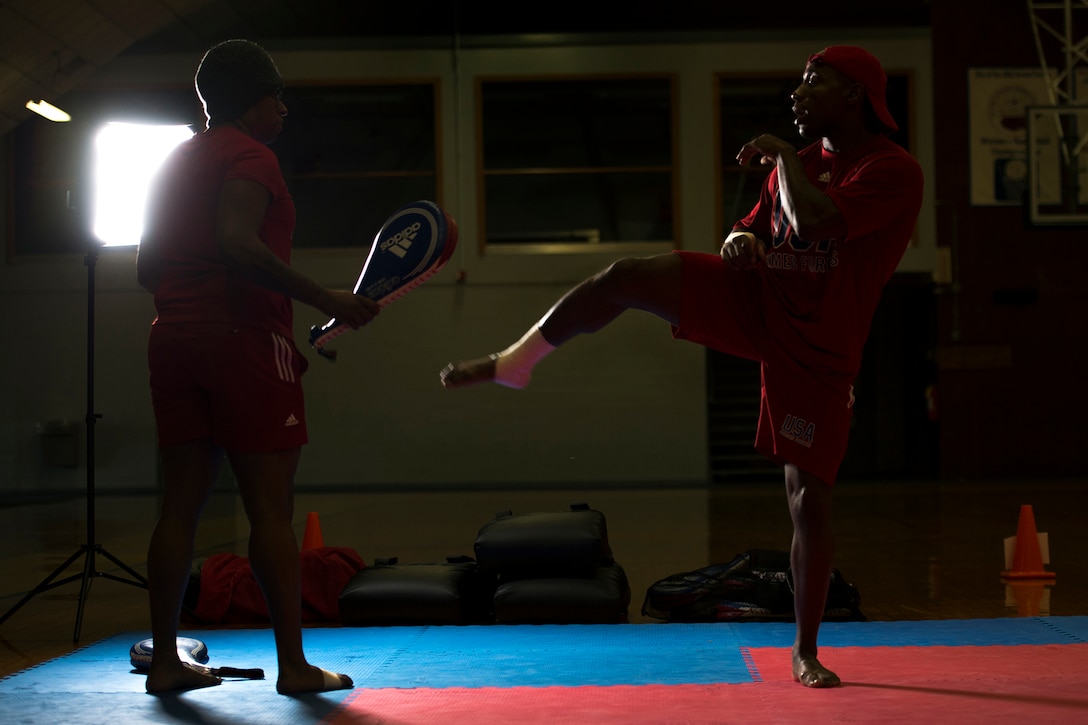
(229, 593)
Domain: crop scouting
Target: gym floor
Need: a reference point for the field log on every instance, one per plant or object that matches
(914, 550)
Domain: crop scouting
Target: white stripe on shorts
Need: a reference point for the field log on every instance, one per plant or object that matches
(282, 351)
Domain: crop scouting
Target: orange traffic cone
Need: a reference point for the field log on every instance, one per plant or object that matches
(312, 538)
(1027, 558)
(1029, 596)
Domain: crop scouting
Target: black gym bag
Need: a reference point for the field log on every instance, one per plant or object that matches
(756, 586)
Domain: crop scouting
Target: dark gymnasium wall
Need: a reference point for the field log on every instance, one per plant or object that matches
(1011, 338)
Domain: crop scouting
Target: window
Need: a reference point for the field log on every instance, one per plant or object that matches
(569, 164)
(750, 105)
(351, 155)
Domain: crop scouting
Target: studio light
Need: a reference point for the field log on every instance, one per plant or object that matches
(45, 109)
(127, 157)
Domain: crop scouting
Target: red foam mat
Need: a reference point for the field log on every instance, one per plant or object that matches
(993, 684)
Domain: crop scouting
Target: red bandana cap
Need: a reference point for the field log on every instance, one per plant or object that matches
(862, 67)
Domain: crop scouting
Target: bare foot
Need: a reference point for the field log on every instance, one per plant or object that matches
(312, 679)
(469, 372)
(809, 672)
(180, 676)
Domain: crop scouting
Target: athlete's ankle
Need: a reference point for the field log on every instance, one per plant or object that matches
(514, 365)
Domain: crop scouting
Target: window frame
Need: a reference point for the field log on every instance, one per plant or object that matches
(367, 231)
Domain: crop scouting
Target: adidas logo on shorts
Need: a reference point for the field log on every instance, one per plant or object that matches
(291, 420)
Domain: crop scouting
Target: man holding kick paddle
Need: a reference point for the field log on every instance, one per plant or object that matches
(225, 373)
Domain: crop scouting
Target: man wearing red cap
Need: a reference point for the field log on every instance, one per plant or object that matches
(795, 286)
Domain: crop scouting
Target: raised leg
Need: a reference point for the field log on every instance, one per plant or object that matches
(650, 284)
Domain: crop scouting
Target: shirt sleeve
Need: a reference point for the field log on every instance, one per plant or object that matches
(882, 190)
(256, 162)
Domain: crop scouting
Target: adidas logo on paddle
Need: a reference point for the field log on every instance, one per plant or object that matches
(401, 242)
(421, 238)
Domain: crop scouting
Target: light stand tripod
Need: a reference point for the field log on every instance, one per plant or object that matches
(91, 549)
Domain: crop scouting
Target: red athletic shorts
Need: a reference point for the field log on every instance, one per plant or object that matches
(804, 416)
(240, 387)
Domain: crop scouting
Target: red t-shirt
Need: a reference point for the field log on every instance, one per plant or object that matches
(197, 284)
(819, 296)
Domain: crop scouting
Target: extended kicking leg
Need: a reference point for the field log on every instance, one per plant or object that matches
(651, 284)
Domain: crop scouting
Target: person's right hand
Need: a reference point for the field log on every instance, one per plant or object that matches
(766, 148)
(351, 309)
(743, 249)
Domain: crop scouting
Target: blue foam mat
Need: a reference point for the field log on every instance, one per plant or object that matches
(473, 656)
(565, 655)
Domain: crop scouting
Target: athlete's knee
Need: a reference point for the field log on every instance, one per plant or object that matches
(629, 277)
(618, 271)
(805, 491)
